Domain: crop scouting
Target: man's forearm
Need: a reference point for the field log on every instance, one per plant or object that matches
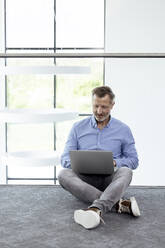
(131, 162)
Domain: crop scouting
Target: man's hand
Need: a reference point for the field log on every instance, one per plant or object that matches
(114, 163)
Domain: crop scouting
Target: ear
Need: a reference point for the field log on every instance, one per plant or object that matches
(113, 105)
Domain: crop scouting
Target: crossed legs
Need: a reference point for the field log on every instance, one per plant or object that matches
(102, 192)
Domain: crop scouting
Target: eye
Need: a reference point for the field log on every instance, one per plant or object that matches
(105, 107)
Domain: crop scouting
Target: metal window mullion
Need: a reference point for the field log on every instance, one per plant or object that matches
(57, 48)
(31, 178)
(83, 55)
(54, 85)
(3, 138)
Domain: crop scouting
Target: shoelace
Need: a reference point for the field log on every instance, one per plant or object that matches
(102, 220)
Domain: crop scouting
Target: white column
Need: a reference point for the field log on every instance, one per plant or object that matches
(2, 95)
(138, 26)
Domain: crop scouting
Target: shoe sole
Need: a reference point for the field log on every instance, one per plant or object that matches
(88, 219)
(134, 207)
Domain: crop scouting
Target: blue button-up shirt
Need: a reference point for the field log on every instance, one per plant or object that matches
(115, 136)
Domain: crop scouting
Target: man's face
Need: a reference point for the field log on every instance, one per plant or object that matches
(102, 107)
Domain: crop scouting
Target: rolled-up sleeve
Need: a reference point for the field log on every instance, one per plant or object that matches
(129, 154)
(71, 144)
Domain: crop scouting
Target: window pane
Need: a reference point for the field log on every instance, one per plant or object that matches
(22, 137)
(135, 26)
(30, 137)
(30, 23)
(30, 91)
(80, 23)
(74, 91)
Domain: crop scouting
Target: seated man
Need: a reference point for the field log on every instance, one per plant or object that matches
(101, 132)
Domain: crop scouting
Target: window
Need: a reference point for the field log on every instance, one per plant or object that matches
(43, 26)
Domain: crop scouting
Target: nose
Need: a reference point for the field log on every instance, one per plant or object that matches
(99, 110)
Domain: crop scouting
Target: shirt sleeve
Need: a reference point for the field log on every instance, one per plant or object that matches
(71, 144)
(129, 156)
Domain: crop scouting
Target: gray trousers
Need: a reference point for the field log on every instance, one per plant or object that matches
(100, 191)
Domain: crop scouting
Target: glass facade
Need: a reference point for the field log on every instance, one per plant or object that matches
(50, 26)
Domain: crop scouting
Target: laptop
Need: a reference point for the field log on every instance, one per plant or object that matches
(92, 162)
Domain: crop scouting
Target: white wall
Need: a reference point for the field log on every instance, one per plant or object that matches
(139, 84)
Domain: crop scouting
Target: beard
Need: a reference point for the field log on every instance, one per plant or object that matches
(101, 118)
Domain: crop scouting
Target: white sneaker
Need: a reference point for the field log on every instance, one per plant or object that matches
(87, 218)
(134, 207)
(129, 206)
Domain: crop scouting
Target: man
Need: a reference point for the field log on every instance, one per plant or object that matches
(101, 132)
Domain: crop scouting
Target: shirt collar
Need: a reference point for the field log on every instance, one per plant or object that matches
(94, 122)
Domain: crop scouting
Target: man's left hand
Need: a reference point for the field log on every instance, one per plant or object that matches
(114, 163)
